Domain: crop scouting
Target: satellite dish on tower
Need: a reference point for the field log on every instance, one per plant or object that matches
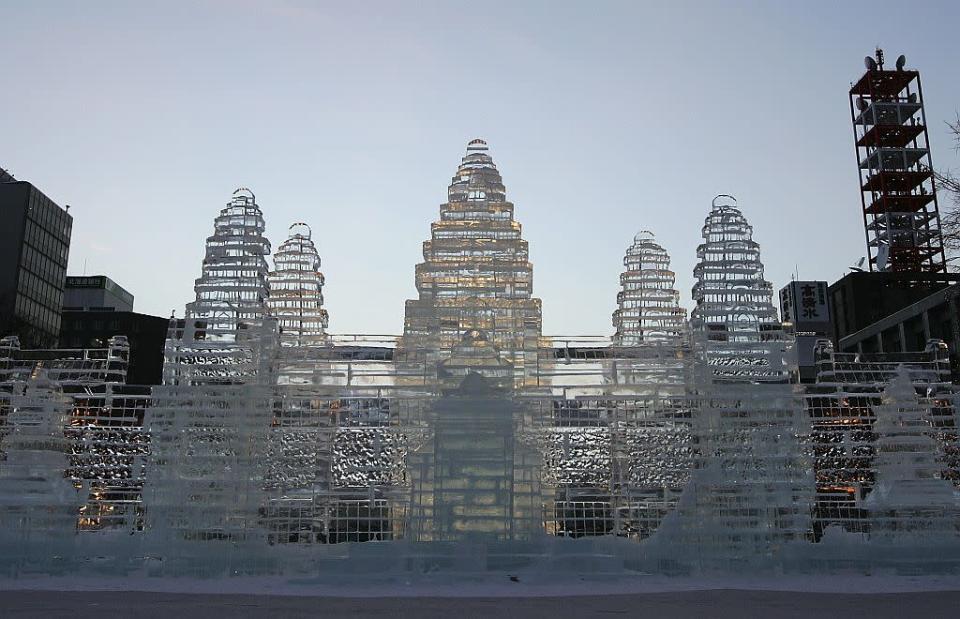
(862, 105)
(883, 253)
(901, 62)
(870, 63)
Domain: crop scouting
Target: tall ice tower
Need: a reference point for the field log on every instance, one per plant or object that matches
(648, 305)
(232, 287)
(475, 282)
(742, 337)
(296, 289)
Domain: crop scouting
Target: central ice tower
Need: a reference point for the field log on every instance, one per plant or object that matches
(476, 279)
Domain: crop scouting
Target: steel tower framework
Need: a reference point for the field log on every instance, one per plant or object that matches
(898, 195)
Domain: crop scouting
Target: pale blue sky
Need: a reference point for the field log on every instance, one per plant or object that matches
(604, 118)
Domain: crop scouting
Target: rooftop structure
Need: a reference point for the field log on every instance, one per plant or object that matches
(648, 305)
(805, 306)
(900, 215)
(95, 293)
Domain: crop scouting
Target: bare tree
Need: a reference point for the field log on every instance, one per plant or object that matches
(948, 186)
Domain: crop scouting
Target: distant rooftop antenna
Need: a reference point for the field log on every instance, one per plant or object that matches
(880, 58)
(870, 63)
(901, 62)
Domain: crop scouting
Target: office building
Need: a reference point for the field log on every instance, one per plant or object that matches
(805, 306)
(95, 293)
(34, 246)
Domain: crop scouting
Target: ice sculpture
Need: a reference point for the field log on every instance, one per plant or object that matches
(473, 443)
(210, 419)
(476, 480)
(38, 505)
(844, 407)
(751, 492)
(476, 274)
(909, 498)
(735, 319)
(232, 287)
(103, 426)
(648, 306)
(296, 289)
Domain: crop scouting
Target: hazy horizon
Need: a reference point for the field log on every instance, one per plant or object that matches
(604, 119)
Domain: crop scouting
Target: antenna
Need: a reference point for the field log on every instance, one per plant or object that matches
(901, 62)
(880, 58)
(870, 63)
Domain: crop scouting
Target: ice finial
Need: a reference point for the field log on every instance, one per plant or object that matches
(243, 192)
(299, 229)
(727, 200)
(477, 146)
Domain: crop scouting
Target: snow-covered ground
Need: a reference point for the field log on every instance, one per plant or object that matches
(662, 605)
(487, 585)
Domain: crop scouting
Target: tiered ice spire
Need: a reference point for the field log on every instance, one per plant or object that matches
(735, 312)
(648, 305)
(476, 274)
(232, 289)
(296, 289)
